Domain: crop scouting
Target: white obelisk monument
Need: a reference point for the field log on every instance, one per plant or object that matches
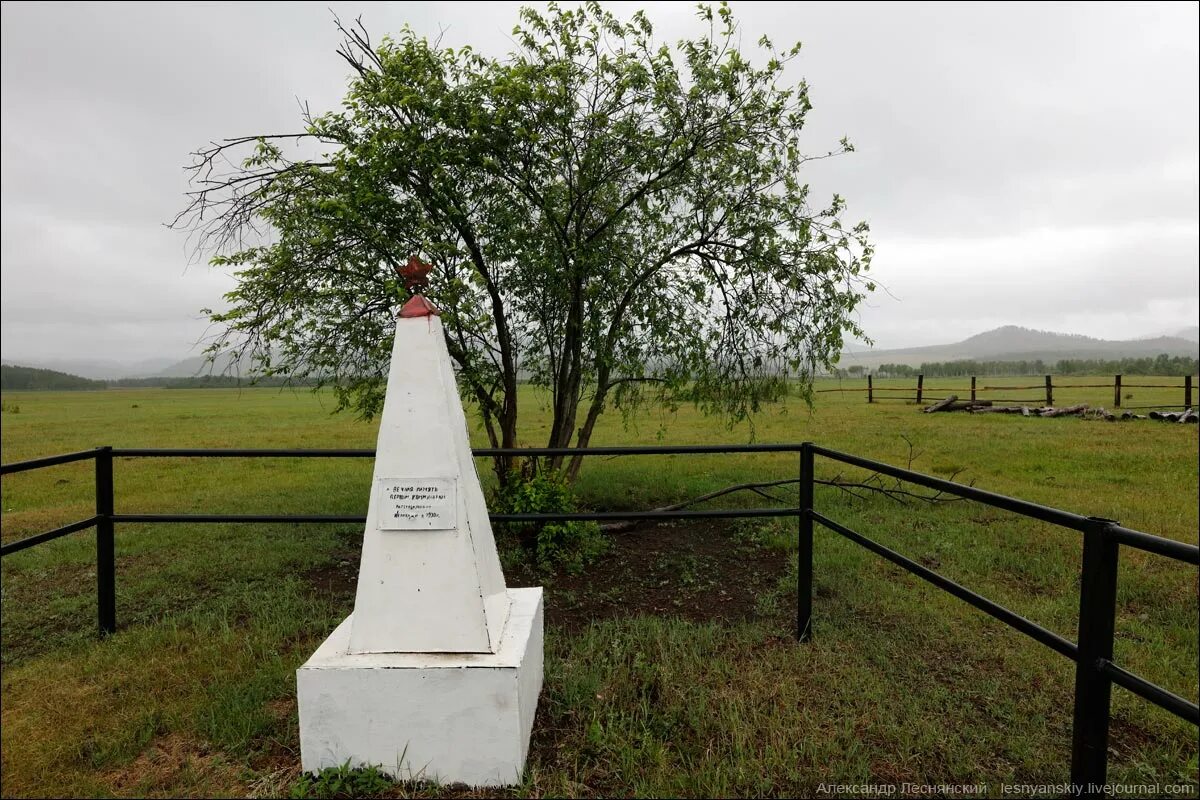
(436, 674)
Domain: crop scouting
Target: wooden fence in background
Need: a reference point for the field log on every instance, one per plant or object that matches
(1045, 391)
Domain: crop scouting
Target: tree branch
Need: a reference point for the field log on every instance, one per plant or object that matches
(874, 483)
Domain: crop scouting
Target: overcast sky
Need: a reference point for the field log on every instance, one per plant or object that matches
(1026, 164)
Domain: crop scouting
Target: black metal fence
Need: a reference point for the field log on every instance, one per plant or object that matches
(1095, 670)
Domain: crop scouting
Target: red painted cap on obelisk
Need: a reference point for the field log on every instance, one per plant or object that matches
(415, 275)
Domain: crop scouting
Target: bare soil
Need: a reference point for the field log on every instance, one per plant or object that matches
(701, 571)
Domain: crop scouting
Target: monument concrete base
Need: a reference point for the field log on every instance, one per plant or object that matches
(446, 717)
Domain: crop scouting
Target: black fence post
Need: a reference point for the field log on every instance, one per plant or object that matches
(106, 567)
(1093, 689)
(1116, 391)
(1049, 391)
(920, 388)
(972, 388)
(871, 390)
(804, 551)
(1187, 391)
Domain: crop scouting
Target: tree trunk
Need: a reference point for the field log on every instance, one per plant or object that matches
(585, 432)
(568, 380)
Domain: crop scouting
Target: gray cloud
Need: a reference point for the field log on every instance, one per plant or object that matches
(1027, 164)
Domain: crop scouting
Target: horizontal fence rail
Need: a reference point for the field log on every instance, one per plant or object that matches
(1010, 618)
(484, 452)
(1095, 670)
(1044, 513)
(478, 452)
(48, 536)
(1148, 691)
(582, 516)
(48, 461)
(920, 392)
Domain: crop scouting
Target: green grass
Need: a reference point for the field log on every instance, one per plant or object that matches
(195, 693)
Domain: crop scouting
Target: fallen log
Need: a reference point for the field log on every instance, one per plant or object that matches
(997, 409)
(1083, 409)
(967, 405)
(959, 405)
(941, 404)
(1064, 412)
(1174, 416)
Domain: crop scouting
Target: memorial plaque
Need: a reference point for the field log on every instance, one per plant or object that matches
(417, 504)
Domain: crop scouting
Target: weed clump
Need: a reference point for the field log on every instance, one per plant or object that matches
(343, 782)
(553, 545)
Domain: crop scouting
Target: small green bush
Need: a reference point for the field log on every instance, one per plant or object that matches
(566, 545)
(343, 782)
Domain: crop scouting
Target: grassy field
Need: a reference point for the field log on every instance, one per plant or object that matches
(195, 694)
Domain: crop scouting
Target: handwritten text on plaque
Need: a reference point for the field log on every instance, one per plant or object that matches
(417, 504)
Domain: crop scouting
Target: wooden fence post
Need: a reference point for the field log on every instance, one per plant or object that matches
(972, 388)
(1187, 391)
(870, 390)
(1049, 391)
(1117, 391)
(920, 388)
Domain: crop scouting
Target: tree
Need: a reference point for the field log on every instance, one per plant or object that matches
(611, 219)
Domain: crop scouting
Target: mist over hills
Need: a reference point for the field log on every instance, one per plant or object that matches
(1191, 334)
(105, 369)
(95, 369)
(1007, 343)
(199, 365)
(1014, 343)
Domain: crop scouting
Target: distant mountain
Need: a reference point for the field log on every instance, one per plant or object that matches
(1013, 343)
(17, 378)
(199, 365)
(1007, 343)
(95, 368)
(107, 369)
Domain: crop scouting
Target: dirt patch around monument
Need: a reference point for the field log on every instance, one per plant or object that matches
(703, 571)
(700, 571)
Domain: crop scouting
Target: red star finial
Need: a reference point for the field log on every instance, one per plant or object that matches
(415, 275)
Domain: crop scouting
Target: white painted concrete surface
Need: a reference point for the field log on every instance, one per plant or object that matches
(437, 716)
(436, 674)
(423, 590)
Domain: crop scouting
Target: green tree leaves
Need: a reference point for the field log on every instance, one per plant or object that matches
(612, 218)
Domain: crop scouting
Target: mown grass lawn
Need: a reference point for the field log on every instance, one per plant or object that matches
(195, 694)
